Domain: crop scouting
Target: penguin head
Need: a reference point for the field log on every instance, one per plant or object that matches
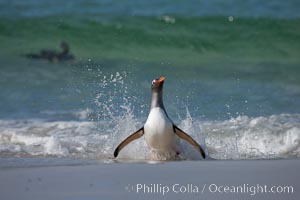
(157, 84)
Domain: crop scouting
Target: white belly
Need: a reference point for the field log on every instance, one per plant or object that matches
(158, 131)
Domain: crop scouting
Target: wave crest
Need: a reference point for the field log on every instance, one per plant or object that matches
(276, 136)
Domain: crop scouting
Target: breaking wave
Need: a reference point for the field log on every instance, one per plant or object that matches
(276, 136)
(95, 133)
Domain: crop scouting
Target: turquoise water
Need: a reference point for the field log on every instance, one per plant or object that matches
(232, 76)
(247, 8)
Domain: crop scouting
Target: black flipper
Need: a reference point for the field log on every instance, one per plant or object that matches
(129, 139)
(189, 139)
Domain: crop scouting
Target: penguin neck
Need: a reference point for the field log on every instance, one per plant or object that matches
(157, 100)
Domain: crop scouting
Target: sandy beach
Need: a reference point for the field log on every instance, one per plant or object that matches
(252, 179)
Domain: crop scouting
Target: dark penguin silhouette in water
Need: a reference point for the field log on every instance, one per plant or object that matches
(52, 55)
(161, 134)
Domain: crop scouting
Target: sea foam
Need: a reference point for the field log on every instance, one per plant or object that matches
(276, 136)
(96, 133)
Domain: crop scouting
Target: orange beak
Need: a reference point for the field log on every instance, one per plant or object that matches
(161, 79)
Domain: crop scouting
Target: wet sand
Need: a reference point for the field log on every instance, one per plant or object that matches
(251, 179)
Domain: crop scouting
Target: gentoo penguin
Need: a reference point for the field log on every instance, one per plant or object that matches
(161, 134)
(52, 55)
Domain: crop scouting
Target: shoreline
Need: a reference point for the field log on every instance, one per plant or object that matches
(122, 180)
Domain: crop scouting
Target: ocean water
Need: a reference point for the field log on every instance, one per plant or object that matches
(247, 8)
(232, 77)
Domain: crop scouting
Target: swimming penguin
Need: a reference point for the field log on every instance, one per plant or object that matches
(52, 55)
(161, 134)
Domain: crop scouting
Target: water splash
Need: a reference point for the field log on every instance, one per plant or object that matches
(242, 137)
(115, 107)
(276, 136)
